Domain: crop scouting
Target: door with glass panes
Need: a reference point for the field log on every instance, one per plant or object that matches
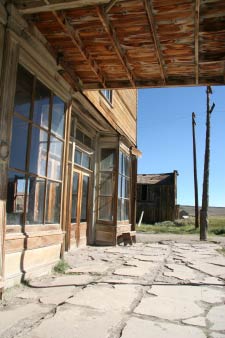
(79, 207)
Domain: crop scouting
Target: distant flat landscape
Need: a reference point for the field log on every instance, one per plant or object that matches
(213, 211)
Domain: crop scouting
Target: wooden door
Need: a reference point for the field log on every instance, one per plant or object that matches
(79, 208)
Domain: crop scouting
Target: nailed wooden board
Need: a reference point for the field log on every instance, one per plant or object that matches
(135, 43)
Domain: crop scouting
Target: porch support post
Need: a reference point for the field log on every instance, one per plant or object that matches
(8, 68)
(133, 191)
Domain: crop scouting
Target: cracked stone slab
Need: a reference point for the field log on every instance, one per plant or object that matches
(106, 297)
(70, 322)
(11, 317)
(197, 321)
(134, 271)
(56, 295)
(97, 268)
(146, 328)
(61, 281)
(119, 280)
(216, 316)
(168, 308)
(211, 269)
(180, 271)
(150, 258)
(28, 294)
(206, 294)
(217, 335)
(178, 302)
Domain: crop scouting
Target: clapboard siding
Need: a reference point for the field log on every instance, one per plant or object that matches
(121, 114)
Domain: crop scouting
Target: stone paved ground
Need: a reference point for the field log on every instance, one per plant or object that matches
(163, 289)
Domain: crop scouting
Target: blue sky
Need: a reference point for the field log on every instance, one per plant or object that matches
(165, 138)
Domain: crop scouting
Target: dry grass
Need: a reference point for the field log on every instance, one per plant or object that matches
(186, 226)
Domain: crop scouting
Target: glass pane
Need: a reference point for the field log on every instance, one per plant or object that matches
(78, 157)
(84, 199)
(74, 198)
(108, 94)
(107, 159)
(126, 166)
(24, 86)
(41, 105)
(86, 161)
(36, 193)
(87, 141)
(55, 158)
(121, 162)
(53, 199)
(120, 186)
(18, 144)
(106, 184)
(106, 208)
(58, 114)
(15, 198)
(72, 127)
(126, 209)
(119, 209)
(79, 135)
(127, 188)
(38, 155)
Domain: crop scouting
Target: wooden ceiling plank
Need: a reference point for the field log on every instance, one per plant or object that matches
(110, 5)
(149, 11)
(77, 42)
(115, 43)
(197, 11)
(56, 5)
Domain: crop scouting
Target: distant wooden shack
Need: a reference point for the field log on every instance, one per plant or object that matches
(157, 197)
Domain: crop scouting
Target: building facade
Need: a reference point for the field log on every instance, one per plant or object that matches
(67, 158)
(157, 197)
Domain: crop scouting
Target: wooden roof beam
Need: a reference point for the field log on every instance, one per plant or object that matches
(110, 5)
(115, 43)
(149, 11)
(76, 41)
(55, 5)
(197, 10)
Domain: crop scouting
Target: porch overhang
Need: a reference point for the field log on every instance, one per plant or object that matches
(132, 44)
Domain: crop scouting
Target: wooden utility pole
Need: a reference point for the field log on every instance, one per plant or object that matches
(195, 172)
(205, 192)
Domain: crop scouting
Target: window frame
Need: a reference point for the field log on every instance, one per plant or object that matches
(32, 125)
(108, 95)
(123, 175)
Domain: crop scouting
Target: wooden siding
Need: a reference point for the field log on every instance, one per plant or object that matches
(157, 197)
(121, 114)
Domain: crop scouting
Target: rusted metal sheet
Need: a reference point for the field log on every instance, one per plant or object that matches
(135, 43)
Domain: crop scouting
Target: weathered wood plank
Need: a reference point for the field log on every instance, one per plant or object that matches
(55, 5)
(7, 87)
(121, 114)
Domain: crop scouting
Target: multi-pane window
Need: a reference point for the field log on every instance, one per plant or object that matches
(106, 184)
(35, 168)
(107, 93)
(123, 187)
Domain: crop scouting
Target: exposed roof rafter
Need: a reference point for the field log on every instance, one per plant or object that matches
(69, 30)
(149, 11)
(197, 10)
(110, 5)
(55, 5)
(113, 38)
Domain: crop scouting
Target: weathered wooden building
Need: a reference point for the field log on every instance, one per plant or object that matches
(157, 197)
(68, 158)
(68, 154)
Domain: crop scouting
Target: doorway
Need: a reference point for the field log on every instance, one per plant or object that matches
(79, 208)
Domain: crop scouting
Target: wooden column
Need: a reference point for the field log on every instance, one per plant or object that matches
(3, 21)
(133, 191)
(7, 92)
